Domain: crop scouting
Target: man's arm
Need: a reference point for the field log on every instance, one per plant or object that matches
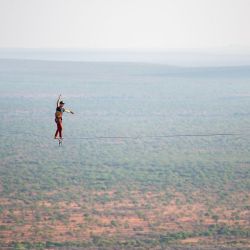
(68, 111)
(58, 100)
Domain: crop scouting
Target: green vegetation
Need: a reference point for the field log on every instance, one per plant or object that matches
(128, 189)
(148, 242)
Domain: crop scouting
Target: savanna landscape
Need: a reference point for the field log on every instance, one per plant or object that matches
(155, 156)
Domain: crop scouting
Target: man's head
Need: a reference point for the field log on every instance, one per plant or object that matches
(61, 104)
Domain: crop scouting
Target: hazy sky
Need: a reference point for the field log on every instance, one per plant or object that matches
(124, 23)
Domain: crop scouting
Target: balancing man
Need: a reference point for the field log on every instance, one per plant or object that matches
(58, 116)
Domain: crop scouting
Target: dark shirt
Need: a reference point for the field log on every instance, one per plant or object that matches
(59, 109)
(59, 112)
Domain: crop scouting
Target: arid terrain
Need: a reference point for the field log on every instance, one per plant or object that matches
(155, 157)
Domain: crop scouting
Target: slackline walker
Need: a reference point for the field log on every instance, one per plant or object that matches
(58, 119)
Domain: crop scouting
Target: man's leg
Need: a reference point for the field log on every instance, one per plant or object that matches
(57, 131)
(60, 128)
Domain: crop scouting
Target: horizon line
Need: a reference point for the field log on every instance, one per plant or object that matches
(215, 48)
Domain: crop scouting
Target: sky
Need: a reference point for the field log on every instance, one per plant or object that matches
(127, 24)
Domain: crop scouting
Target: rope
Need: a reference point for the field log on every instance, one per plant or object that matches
(155, 136)
(133, 137)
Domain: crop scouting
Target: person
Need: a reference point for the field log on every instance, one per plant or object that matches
(58, 116)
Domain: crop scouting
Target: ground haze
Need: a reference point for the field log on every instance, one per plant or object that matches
(155, 157)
